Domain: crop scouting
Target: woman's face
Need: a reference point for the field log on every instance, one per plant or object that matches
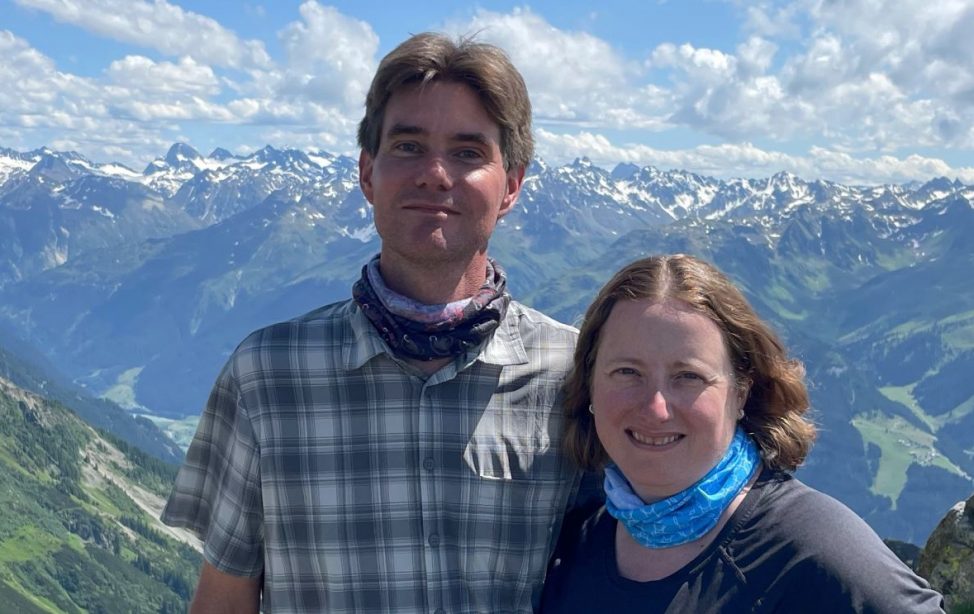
(664, 395)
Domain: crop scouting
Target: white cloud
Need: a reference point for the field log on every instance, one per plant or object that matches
(744, 159)
(158, 25)
(890, 74)
(164, 78)
(865, 75)
(29, 78)
(885, 169)
(771, 19)
(34, 92)
(308, 141)
(702, 65)
(824, 65)
(725, 160)
(331, 57)
(193, 108)
(139, 102)
(42, 105)
(730, 95)
(571, 76)
(755, 56)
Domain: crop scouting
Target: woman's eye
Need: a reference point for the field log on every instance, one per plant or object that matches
(625, 371)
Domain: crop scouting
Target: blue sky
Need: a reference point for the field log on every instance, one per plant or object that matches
(858, 91)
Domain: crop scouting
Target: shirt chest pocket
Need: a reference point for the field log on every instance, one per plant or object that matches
(518, 447)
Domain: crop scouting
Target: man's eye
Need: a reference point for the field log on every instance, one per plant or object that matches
(469, 154)
(406, 147)
(689, 377)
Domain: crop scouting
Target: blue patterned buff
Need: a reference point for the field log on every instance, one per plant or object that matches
(691, 513)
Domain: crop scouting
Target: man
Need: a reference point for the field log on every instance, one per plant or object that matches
(399, 451)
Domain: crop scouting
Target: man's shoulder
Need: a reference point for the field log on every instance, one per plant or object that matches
(319, 325)
(530, 319)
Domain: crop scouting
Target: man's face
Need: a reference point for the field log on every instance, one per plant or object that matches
(437, 182)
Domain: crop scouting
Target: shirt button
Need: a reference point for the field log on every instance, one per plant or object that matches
(434, 540)
(428, 463)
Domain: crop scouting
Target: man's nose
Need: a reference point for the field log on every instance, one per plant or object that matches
(434, 173)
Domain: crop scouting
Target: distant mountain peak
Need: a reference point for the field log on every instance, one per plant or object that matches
(267, 152)
(180, 153)
(54, 167)
(221, 154)
(941, 181)
(536, 167)
(624, 171)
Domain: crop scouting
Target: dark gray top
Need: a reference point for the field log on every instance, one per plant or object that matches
(787, 548)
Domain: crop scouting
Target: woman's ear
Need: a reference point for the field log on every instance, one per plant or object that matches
(743, 390)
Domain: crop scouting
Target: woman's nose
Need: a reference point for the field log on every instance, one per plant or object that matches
(656, 405)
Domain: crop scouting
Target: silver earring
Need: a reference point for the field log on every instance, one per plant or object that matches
(590, 409)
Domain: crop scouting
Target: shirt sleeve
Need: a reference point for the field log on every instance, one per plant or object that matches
(217, 491)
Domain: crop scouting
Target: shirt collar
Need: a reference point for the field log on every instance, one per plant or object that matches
(505, 346)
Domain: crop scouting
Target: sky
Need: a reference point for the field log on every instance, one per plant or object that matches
(854, 91)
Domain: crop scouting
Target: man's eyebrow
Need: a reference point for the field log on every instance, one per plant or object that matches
(468, 137)
(398, 129)
(472, 137)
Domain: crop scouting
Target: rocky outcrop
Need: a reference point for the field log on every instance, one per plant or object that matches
(905, 551)
(947, 560)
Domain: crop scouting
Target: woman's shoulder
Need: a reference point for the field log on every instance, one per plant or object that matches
(789, 501)
(806, 521)
(803, 544)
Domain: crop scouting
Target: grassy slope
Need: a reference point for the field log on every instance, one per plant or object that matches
(78, 532)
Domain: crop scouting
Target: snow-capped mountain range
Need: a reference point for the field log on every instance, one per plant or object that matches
(210, 189)
(138, 285)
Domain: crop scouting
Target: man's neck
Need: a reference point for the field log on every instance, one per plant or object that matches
(434, 285)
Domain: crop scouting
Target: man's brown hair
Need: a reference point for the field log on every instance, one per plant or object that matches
(488, 71)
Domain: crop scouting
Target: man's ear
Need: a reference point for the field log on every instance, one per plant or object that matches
(365, 174)
(515, 179)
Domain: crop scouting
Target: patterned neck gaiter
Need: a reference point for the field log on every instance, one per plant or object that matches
(427, 332)
(691, 513)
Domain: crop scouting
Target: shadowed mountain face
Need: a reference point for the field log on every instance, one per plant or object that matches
(870, 286)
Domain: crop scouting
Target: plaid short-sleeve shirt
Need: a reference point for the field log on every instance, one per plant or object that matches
(356, 485)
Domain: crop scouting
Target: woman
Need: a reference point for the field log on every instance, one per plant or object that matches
(689, 402)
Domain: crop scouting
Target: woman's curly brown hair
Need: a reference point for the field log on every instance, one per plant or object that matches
(774, 413)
